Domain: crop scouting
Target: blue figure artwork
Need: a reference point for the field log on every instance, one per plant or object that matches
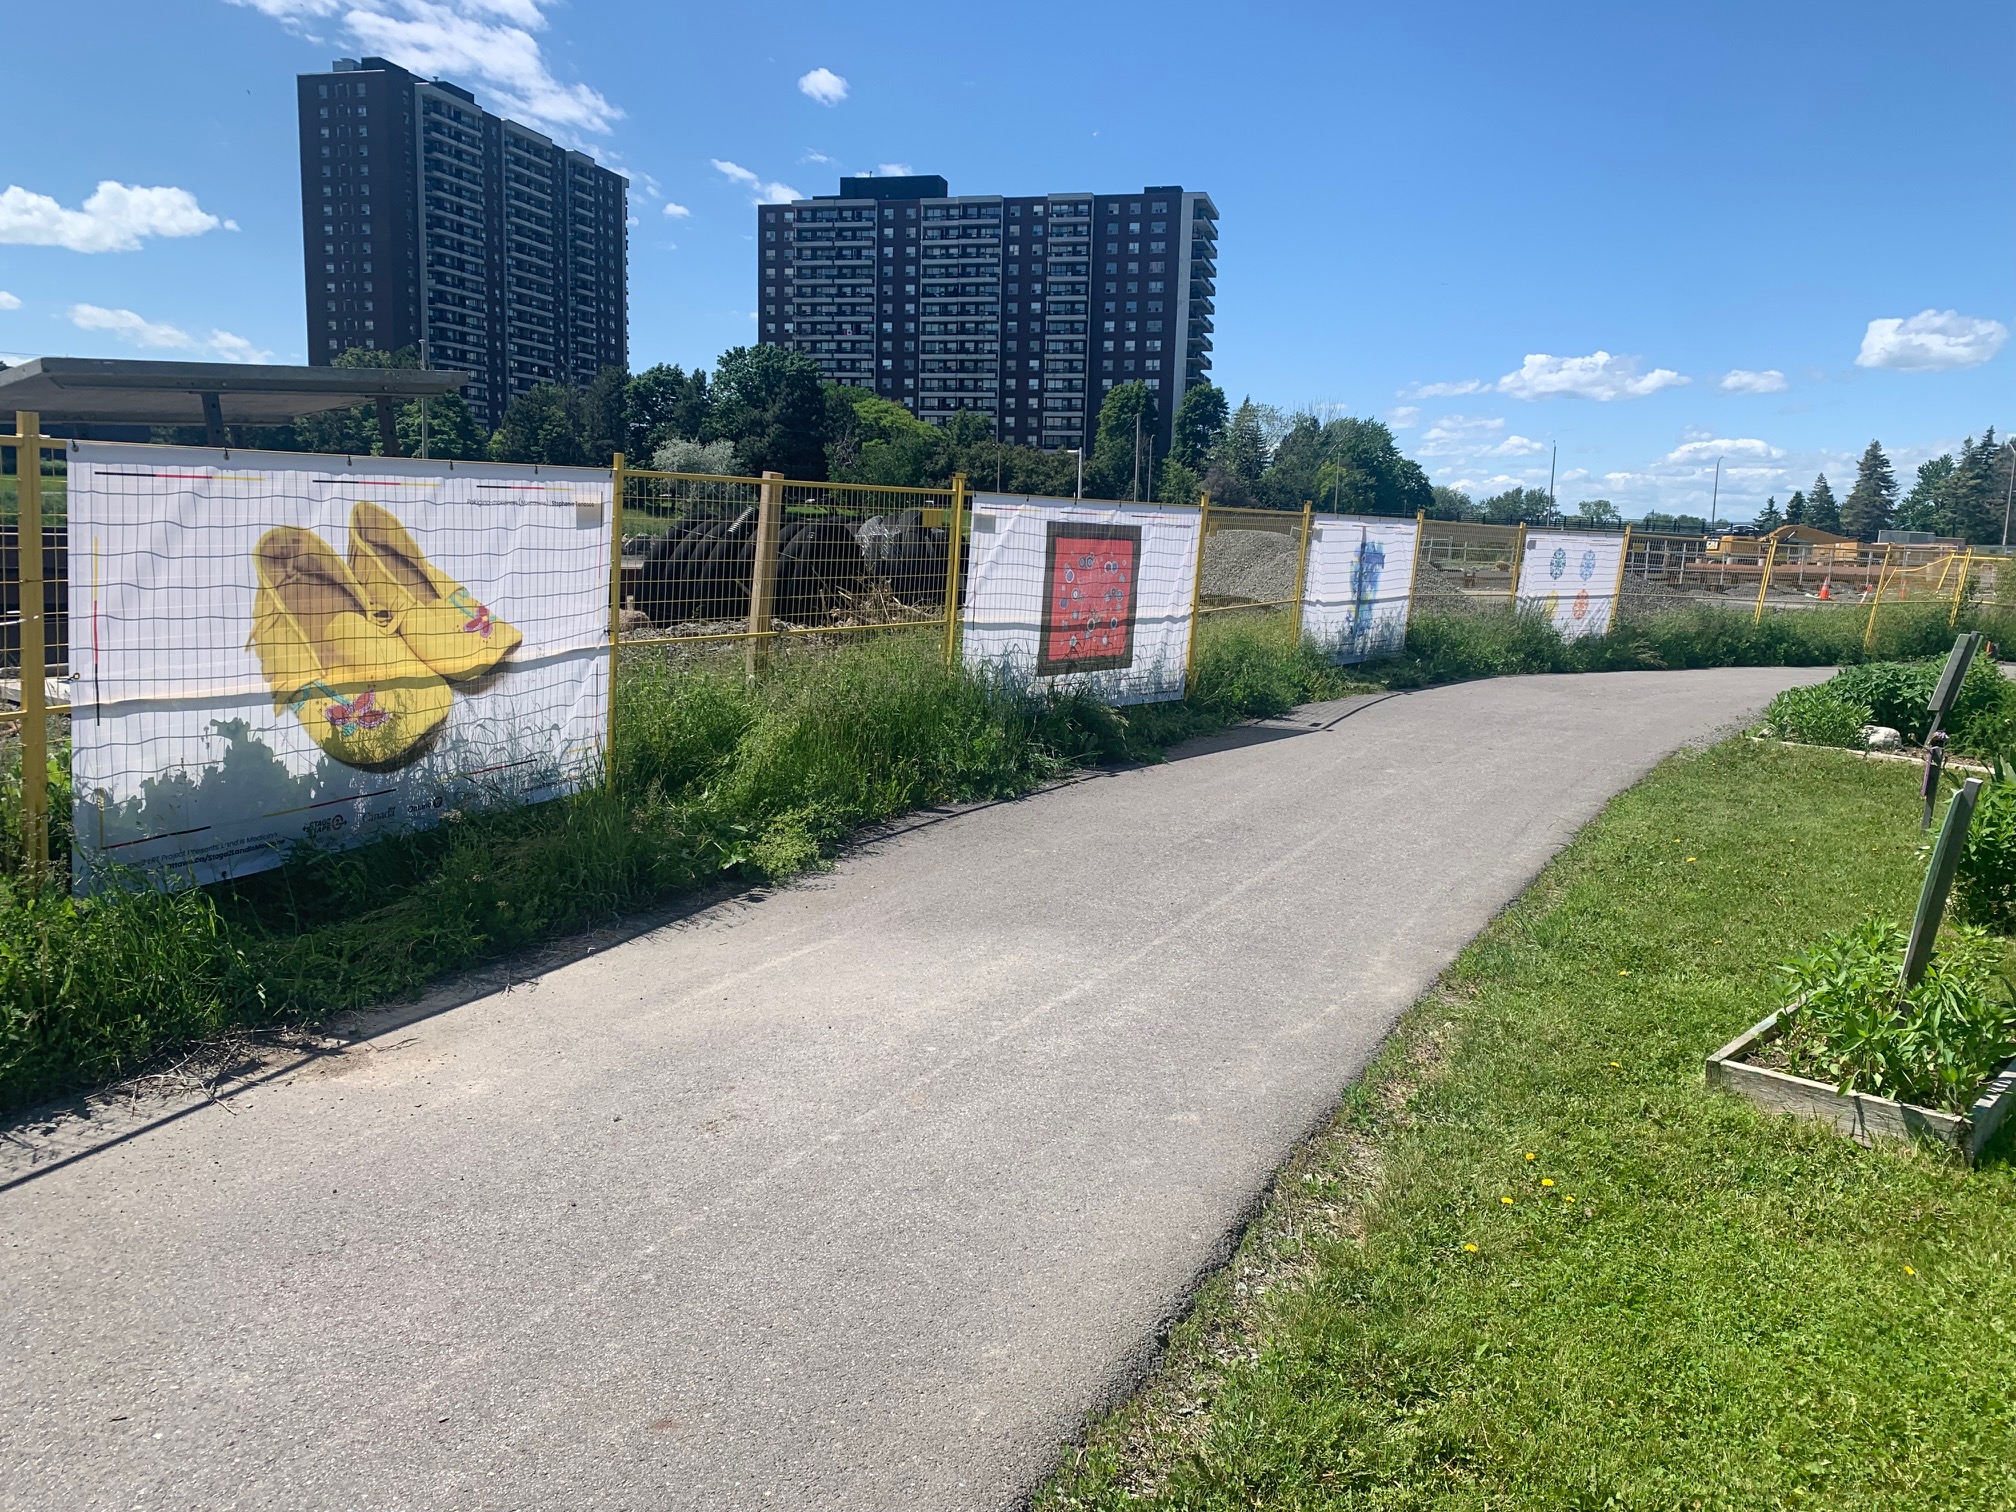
(1365, 569)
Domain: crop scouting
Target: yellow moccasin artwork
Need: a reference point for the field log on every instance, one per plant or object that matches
(333, 657)
(441, 620)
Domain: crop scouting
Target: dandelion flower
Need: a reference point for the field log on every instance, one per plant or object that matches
(1531, 1156)
(1469, 1249)
(1546, 1181)
(1569, 1198)
(1623, 973)
(1690, 858)
(1615, 1066)
(1506, 1200)
(1909, 1272)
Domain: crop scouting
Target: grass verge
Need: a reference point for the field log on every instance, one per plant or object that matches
(1684, 1303)
(713, 779)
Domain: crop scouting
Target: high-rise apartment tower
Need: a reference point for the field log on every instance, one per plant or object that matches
(426, 221)
(1026, 309)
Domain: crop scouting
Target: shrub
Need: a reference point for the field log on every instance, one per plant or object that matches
(1816, 716)
(1897, 694)
(1984, 886)
(1934, 1046)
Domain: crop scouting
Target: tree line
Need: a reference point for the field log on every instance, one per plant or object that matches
(1965, 498)
(766, 409)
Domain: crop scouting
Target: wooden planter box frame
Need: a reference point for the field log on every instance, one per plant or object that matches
(1862, 1116)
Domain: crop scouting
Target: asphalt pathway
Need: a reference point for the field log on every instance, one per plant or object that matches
(859, 1195)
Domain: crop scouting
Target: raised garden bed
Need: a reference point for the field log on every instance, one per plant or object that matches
(1862, 1116)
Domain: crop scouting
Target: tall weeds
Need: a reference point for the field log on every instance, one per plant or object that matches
(711, 777)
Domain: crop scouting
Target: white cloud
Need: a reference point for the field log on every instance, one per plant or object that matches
(1444, 390)
(236, 348)
(1461, 436)
(1709, 448)
(814, 155)
(113, 219)
(1932, 341)
(1598, 376)
(9, 301)
(770, 193)
(489, 42)
(1404, 416)
(676, 211)
(893, 170)
(1745, 381)
(157, 335)
(824, 86)
(1516, 446)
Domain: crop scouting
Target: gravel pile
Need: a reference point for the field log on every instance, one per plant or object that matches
(1249, 564)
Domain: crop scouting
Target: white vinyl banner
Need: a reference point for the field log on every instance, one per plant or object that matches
(1572, 580)
(1063, 594)
(1356, 588)
(270, 649)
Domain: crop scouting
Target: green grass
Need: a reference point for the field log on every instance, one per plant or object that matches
(1734, 1312)
(1445, 647)
(713, 780)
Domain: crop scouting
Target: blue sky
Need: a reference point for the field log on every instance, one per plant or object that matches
(1654, 236)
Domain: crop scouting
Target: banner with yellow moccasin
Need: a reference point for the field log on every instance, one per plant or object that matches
(274, 650)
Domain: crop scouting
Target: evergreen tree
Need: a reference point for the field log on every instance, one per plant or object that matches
(1795, 509)
(1239, 460)
(1822, 513)
(1873, 500)
(1769, 518)
(1920, 509)
(1971, 500)
(1200, 420)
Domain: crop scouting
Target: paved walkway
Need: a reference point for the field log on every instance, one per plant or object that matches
(859, 1196)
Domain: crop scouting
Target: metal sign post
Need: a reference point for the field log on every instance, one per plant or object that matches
(1944, 695)
(1939, 881)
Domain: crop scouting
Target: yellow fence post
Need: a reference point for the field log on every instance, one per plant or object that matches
(955, 524)
(615, 604)
(1196, 594)
(1876, 600)
(1302, 569)
(1617, 593)
(763, 573)
(1518, 560)
(1960, 588)
(1414, 572)
(1764, 584)
(34, 649)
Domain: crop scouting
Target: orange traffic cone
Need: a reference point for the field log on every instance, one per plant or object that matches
(1823, 588)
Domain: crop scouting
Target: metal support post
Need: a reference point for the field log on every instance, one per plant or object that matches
(1196, 594)
(1302, 568)
(28, 441)
(1518, 561)
(955, 529)
(1764, 583)
(1960, 588)
(615, 603)
(1875, 601)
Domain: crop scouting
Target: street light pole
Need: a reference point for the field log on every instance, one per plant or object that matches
(2009, 494)
(1079, 453)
